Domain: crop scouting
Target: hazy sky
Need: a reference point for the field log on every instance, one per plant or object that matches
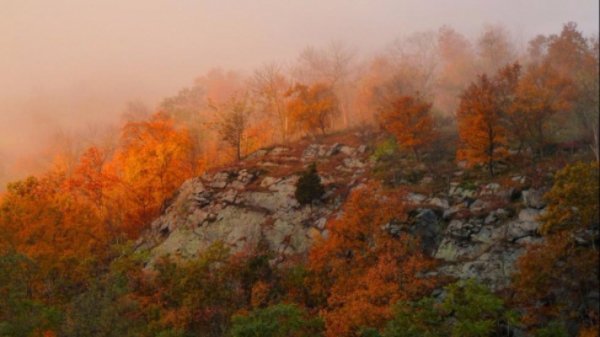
(66, 63)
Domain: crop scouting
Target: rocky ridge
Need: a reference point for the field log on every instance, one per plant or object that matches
(474, 230)
(254, 201)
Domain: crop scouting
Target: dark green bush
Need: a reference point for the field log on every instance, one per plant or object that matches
(309, 187)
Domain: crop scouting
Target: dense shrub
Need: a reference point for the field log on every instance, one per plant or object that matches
(309, 187)
(281, 320)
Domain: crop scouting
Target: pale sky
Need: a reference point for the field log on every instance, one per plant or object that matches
(66, 63)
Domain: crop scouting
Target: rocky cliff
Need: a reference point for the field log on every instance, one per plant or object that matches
(475, 229)
(254, 201)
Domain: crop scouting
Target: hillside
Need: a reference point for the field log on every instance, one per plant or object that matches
(393, 240)
(444, 184)
(476, 230)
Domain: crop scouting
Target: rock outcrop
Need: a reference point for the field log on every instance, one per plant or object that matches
(487, 232)
(254, 202)
(474, 230)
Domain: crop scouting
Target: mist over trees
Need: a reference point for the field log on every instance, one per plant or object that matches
(435, 99)
(558, 83)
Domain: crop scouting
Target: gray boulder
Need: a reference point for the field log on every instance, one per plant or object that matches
(534, 198)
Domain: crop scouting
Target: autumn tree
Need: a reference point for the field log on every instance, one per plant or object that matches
(507, 81)
(575, 59)
(333, 66)
(312, 108)
(574, 200)
(192, 108)
(154, 159)
(409, 120)
(40, 219)
(407, 68)
(95, 185)
(587, 104)
(541, 93)
(545, 284)
(482, 135)
(362, 269)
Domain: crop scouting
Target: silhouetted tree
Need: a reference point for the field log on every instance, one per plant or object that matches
(309, 186)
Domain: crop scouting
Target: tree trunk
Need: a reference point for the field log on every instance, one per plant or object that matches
(238, 149)
(491, 167)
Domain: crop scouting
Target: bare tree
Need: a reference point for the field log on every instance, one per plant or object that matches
(408, 68)
(233, 121)
(415, 59)
(135, 111)
(334, 66)
(495, 49)
(269, 85)
(456, 68)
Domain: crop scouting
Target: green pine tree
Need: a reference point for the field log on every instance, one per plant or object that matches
(309, 187)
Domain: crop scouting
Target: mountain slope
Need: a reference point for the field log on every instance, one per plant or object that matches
(475, 229)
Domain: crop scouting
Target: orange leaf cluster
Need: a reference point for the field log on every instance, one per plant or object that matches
(312, 108)
(481, 132)
(362, 268)
(409, 120)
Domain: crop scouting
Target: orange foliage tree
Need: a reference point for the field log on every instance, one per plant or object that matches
(575, 58)
(361, 269)
(312, 108)
(94, 184)
(154, 159)
(64, 235)
(409, 120)
(482, 135)
(541, 93)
